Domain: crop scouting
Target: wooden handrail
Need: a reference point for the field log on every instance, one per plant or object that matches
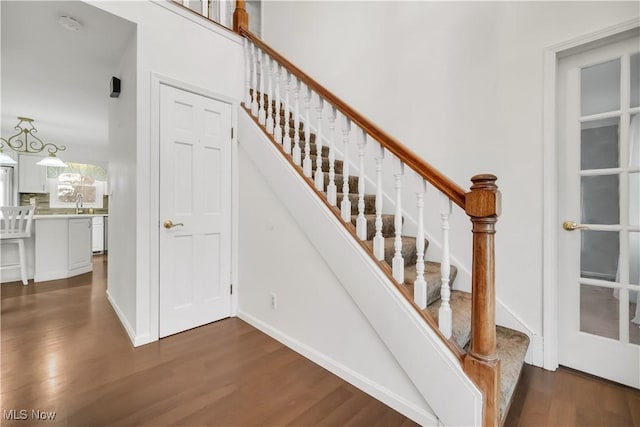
(408, 157)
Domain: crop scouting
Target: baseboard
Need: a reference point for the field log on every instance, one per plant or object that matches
(536, 351)
(506, 317)
(143, 339)
(62, 274)
(123, 320)
(375, 390)
(51, 275)
(12, 274)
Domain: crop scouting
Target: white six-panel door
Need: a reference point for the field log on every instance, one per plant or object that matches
(195, 210)
(599, 192)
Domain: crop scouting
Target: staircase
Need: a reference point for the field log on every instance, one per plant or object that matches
(511, 345)
(453, 325)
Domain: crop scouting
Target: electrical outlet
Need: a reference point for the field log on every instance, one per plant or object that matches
(274, 301)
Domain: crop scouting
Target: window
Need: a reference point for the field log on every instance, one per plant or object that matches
(77, 182)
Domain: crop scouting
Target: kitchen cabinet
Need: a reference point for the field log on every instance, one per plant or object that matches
(63, 246)
(98, 233)
(32, 178)
(80, 250)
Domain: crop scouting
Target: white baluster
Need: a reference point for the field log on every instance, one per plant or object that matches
(205, 8)
(277, 129)
(398, 261)
(247, 74)
(444, 314)
(319, 178)
(361, 221)
(254, 80)
(297, 152)
(420, 285)
(262, 114)
(269, 121)
(306, 164)
(345, 206)
(378, 239)
(286, 139)
(332, 196)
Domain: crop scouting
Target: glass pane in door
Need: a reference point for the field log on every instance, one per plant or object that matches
(599, 311)
(634, 198)
(599, 144)
(635, 80)
(634, 315)
(599, 254)
(634, 141)
(600, 199)
(634, 258)
(600, 88)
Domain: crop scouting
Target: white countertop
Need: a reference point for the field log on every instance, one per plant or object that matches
(66, 216)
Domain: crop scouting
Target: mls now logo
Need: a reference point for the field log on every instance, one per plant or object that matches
(16, 414)
(24, 414)
(37, 414)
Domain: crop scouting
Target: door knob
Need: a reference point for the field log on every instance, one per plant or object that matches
(169, 224)
(572, 225)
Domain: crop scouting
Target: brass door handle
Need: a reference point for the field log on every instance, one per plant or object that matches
(169, 224)
(572, 225)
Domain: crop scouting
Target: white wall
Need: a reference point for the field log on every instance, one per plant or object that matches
(182, 47)
(461, 84)
(121, 283)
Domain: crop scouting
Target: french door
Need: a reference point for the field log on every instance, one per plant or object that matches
(599, 209)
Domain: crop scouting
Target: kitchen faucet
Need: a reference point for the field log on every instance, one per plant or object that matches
(79, 202)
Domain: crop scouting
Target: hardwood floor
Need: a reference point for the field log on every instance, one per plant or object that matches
(569, 398)
(64, 350)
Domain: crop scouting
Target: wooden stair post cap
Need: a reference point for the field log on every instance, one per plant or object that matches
(484, 199)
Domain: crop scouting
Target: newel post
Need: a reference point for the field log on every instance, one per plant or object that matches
(482, 204)
(240, 17)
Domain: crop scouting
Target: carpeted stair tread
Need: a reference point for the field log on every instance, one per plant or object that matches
(312, 138)
(511, 348)
(338, 180)
(388, 227)
(325, 164)
(460, 303)
(314, 149)
(369, 202)
(408, 249)
(301, 136)
(283, 117)
(431, 276)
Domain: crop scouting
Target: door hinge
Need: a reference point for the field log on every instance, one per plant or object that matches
(231, 133)
(231, 289)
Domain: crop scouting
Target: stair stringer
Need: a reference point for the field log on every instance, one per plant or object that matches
(427, 361)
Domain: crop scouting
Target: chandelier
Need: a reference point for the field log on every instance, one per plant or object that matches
(25, 141)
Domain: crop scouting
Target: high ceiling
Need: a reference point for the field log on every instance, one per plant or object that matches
(58, 77)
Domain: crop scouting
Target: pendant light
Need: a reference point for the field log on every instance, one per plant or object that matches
(25, 141)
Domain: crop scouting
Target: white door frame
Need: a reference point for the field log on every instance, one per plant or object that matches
(550, 218)
(154, 195)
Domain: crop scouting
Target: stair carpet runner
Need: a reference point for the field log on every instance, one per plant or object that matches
(511, 344)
